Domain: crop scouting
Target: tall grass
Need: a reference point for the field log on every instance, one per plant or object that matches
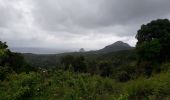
(65, 85)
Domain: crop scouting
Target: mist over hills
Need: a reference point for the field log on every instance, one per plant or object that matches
(38, 50)
(117, 46)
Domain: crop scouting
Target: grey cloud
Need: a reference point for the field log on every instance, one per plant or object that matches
(9, 14)
(6, 16)
(60, 14)
(123, 11)
(69, 24)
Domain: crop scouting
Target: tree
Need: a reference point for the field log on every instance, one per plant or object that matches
(3, 45)
(92, 67)
(78, 63)
(17, 63)
(149, 50)
(4, 53)
(123, 76)
(153, 43)
(14, 61)
(155, 35)
(105, 68)
(67, 61)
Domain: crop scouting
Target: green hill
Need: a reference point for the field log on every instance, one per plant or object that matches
(52, 60)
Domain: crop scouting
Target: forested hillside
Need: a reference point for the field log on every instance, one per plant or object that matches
(51, 60)
(140, 73)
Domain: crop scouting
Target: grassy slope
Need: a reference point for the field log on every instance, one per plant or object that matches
(72, 86)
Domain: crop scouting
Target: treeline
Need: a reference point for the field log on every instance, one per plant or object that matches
(119, 65)
(12, 62)
(153, 46)
(78, 77)
(152, 51)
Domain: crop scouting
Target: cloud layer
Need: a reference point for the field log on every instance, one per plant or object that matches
(73, 24)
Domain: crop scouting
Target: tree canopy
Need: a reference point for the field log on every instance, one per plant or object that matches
(153, 40)
(153, 46)
(14, 61)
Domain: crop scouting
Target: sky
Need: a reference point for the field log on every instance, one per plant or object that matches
(65, 25)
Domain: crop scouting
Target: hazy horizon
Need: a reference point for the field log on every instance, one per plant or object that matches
(68, 25)
(36, 50)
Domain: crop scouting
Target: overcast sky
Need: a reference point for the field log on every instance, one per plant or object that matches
(73, 24)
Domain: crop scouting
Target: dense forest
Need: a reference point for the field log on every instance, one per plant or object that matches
(116, 72)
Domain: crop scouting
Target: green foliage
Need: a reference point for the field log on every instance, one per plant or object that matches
(67, 61)
(123, 76)
(61, 85)
(65, 85)
(149, 50)
(121, 72)
(80, 65)
(3, 48)
(153, 44)
(77, 63)
(3, 52)
(105, 69)
(155, 88)
(14, 61)
(4, 71)
(106, 65)
(165, 67)
(156, 34)
(22, 93)
(92, 67)
(18, 86)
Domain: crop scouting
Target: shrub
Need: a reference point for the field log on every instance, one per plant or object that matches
(4, 71)
(123, 76)
(23, 93)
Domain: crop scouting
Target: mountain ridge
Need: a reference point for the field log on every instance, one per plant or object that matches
(117, 46)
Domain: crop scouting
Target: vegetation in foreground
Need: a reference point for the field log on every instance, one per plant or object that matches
(65, 85)
(146, 77)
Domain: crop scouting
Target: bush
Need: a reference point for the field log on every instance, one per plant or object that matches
(165, 67)
(23, 93)
(67, 85)
(155, 88)
(4, 71)
(123, 76)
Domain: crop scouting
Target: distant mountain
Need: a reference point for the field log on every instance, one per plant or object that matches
(42, 60)
(117, 46)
